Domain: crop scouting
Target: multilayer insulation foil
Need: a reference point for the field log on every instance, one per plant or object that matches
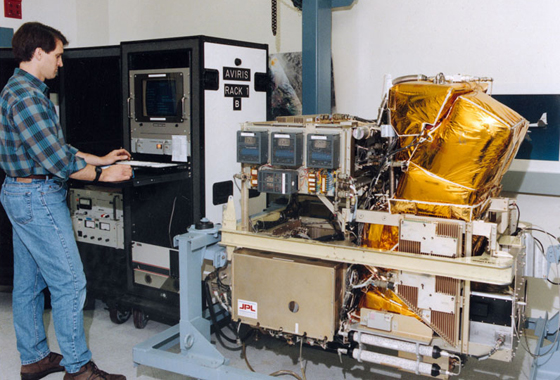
(385, 300)
(379, 236)
(459, 142)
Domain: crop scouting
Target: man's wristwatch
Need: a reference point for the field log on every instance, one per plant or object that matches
(98, 172)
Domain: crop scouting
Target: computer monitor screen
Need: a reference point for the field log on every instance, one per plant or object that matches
(158, 96)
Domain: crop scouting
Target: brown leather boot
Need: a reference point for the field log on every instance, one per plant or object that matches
(40, 369)
(91, 372)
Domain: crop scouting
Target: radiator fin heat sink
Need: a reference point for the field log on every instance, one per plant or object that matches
(450, 230)
(409, 294)
(446, 325)
(409, 246)
(447, 285)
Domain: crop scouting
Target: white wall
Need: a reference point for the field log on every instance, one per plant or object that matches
(92, 21)
(104, 22)
(246, 20)
(60, 14)
(513, 41)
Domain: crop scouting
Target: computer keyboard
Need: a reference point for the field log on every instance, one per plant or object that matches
(147, 164)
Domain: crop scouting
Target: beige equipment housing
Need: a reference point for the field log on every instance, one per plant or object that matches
(387, 233)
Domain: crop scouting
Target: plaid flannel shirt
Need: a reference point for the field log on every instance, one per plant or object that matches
(31, 139)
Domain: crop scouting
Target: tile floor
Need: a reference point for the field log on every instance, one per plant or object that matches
(112, 345)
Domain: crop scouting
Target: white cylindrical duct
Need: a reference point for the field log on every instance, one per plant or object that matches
(387, 131)
(362, 132)
(393, 361)
(387, 84)
(410, 78)
(393, 344)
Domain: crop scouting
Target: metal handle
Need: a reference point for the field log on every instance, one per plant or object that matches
(128, 108)
(115, 199)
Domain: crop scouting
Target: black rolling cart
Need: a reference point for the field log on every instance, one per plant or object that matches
(90, 115)
(110, 219)
(183, 101)
(138, 278)
(176, 105)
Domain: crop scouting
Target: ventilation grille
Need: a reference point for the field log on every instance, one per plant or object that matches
(409, 246)
(450, 230)
(446, 285)
(410, 295)
(290, 119)
(445, 325)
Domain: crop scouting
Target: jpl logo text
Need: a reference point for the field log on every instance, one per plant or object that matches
(247, 307)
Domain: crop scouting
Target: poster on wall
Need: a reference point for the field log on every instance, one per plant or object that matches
(285, 76)
(6, 35)
(286, 85)
(536, 168)
(542, 141)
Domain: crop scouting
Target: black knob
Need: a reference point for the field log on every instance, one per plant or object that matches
(204, 224)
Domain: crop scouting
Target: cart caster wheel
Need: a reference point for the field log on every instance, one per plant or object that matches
(119, 316)
(140, 318)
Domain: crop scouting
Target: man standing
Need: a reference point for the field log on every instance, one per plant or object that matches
(38, 162)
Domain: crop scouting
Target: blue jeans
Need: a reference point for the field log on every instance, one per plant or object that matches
(45, 255)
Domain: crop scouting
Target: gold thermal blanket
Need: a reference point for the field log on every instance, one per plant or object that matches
(385, 300)
(459, 142)
(379, 236)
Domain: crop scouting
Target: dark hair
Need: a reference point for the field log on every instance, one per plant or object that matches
(33, 35)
